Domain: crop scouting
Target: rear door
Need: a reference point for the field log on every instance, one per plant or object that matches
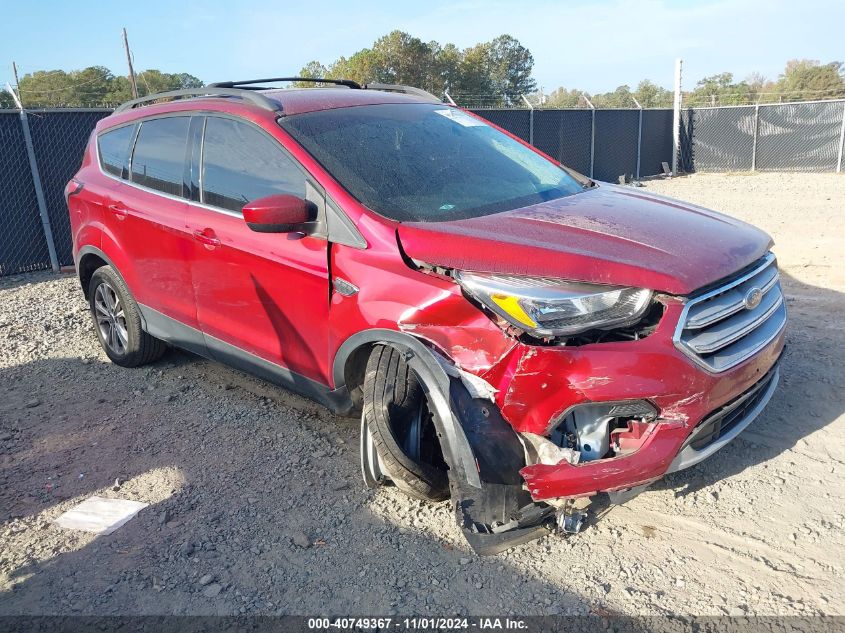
(147, 220)
(261, 297)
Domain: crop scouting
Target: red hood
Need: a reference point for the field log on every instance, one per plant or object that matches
(609, 234)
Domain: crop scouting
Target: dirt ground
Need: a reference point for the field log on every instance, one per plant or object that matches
(257, 504)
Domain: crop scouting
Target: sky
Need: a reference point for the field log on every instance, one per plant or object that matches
(594, 46)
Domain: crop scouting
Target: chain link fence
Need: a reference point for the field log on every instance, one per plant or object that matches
(59, 139)
(604, 144)
(802, 137)
(40, 150)
(23, 246)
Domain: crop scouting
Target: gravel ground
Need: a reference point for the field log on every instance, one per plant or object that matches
(257, 504)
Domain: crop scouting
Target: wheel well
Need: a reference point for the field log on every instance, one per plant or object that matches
(87, 265)
(354, 371)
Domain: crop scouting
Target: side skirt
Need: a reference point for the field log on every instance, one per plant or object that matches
(193, 340)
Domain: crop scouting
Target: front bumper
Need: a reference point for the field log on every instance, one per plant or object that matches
(538, 383)
(670, 447)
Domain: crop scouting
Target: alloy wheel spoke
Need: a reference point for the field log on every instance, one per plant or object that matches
(122, 334)
(110, 299)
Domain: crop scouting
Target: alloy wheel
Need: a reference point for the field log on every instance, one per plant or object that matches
(111, 320)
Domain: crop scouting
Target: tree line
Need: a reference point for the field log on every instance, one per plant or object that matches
(500, 67)
(497, 73)
(801, 80)
(91, 87)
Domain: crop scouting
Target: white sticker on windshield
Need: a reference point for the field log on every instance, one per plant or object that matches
(460, 117)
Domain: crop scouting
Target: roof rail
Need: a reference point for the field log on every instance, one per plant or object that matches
(249, 84)
(209, 91)
(408, 90)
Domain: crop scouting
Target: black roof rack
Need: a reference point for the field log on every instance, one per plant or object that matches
(249, 84)
(210, 91)
(249, 90)
(408, 90)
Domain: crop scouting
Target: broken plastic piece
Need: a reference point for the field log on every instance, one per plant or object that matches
(477, 387)
(540, 450)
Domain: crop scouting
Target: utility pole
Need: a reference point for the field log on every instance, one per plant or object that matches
(132, 80)
(676, 118)
(17, 84)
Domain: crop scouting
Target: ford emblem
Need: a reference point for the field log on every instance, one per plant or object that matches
(753, 298)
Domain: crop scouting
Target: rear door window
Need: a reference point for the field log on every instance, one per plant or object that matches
(159, 158)
(114, 147)
(241, 164)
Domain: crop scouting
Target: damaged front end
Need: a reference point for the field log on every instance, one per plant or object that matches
(536, 421)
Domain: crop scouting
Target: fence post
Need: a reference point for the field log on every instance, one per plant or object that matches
(841, 141)
(754, 142)
(639, 136)
(530, 119)
(592, 133)
(36, 179)
(676, 117)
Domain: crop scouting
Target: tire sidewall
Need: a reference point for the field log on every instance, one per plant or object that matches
(130, 311)
(417, 479)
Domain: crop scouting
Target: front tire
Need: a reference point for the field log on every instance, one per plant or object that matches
(397, 419)
(117, 320)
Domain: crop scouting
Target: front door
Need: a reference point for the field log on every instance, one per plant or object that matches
(260, 297)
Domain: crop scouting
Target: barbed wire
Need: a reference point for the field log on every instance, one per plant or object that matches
(501, 100)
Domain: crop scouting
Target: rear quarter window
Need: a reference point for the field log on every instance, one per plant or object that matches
(114, 147)
(158, 161)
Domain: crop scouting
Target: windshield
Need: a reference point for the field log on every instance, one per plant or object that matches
(428, 163)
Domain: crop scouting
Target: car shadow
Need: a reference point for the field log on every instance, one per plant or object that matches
(256, 506)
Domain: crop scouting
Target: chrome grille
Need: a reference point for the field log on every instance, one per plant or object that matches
(730, 324)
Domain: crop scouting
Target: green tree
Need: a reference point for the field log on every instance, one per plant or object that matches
(475, 81)
(447, 66)
(312, 69)
(152, 81)
(400, 58)
(90, 86)
(650, 95)
(95, 86)
(6, 100)
(500, 69)
(805, 79)
(718, 90)
(360, 67)
(563, 98)
(619, 98)
(46, 89)
(510, 65)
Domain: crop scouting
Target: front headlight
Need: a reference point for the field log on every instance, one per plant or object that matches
(552, 307)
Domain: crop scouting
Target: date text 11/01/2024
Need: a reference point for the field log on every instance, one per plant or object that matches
(421, 623)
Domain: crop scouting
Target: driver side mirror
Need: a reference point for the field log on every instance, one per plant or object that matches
(279, 213)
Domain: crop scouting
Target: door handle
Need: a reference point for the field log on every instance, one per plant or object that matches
(118, 209)
(207, 237)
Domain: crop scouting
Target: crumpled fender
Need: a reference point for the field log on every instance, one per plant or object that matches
(481, 449)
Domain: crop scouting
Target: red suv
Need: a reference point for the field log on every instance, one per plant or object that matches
(513, 334)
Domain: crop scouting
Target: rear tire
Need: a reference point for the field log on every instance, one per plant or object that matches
(117, 321)
(397, 417)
